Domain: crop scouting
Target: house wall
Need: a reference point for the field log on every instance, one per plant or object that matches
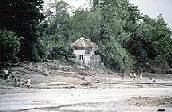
(88, 59)
(79, 52)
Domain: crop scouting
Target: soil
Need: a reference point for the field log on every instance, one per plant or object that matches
(150, 101)
(54, 75)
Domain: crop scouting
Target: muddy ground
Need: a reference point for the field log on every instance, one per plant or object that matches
(62, 87)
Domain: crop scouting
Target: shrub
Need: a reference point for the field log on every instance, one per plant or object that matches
(116, 57)
(9, 46)
(61, 53)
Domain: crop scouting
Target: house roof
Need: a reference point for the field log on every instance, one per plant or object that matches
(83, 43)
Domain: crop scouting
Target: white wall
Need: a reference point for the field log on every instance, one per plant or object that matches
(86, 57)
(79, 52)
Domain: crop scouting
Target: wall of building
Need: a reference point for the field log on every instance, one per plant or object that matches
(79, 52)
(88, 59)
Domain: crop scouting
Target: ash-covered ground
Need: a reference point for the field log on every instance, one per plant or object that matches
(58, 87)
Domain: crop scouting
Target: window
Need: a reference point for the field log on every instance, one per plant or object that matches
(88, 51)
(81, 57)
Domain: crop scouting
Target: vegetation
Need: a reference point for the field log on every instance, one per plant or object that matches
(9, 44)
(23, 17)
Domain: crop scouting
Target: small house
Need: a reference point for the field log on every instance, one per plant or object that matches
(84, 51)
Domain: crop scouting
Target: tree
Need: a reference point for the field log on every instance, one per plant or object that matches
(112, 33)
(9, 46)
(125, 37)
(22, 17)
(116, 57)
(57, 32)
(151, 43)
(160, 37)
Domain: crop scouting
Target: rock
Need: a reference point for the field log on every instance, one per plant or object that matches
(86, 84)
(161, 110)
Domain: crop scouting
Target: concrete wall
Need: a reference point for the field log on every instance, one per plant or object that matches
(88, 59)
(79, 52)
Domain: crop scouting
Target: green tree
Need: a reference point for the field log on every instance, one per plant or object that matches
(160, 37)
(112, 33)
(9, 44)
(125, 37)
(116, 57)
(150, 41)
(57, 32)
(22, 17)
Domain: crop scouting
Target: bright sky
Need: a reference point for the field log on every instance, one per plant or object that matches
(150, 7)
(155, 7)
(74, 3)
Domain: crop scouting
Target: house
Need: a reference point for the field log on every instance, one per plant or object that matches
(84, 51)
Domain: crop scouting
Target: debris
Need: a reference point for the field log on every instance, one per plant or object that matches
(86, 84)
(150, 101)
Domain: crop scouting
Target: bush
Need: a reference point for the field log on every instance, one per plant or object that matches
(39, 52)
(61, 53)
(115, 56)
(9, 46)
(159, 65)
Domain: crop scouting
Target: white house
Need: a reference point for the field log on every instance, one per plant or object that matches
(84, 51)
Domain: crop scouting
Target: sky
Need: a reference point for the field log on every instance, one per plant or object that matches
(155, 7)
(150, 7)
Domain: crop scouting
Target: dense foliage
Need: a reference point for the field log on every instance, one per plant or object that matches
(56, 33)
(22, 17)
(9, 46)
(127, 39)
